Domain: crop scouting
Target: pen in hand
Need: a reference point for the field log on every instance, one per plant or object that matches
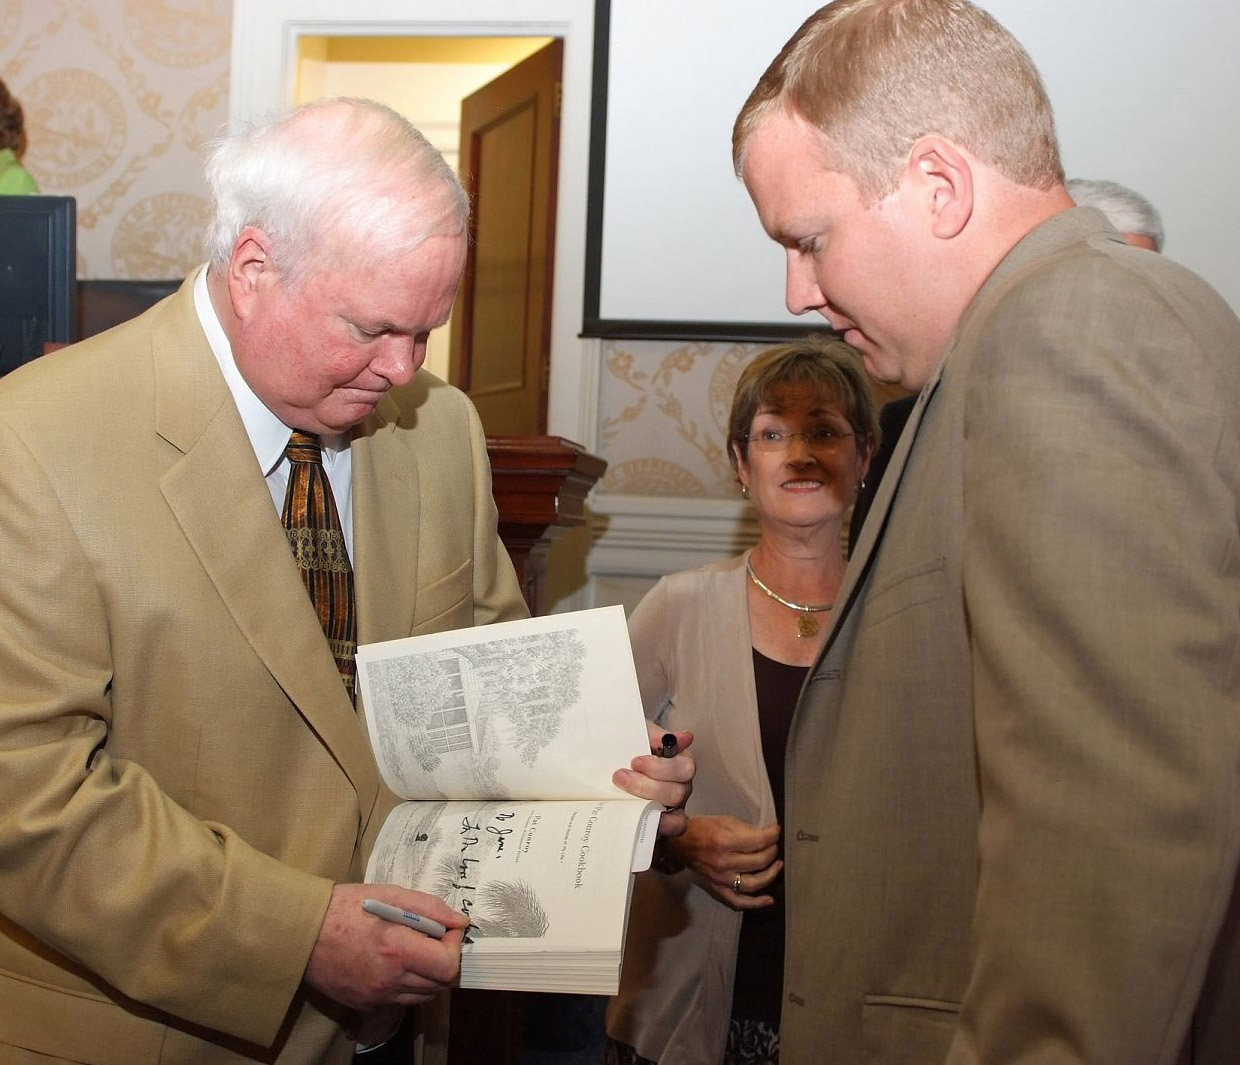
(410, 920)
(669, 748)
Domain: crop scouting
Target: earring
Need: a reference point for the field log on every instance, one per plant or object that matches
(861, 485)
(744, 491)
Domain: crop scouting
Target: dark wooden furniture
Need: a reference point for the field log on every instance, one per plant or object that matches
(103, 304)
(540, 484)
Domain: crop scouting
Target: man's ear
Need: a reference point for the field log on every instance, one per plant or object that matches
(249, 267)
(943, 174)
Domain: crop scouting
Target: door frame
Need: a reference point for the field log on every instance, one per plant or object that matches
(262, 76)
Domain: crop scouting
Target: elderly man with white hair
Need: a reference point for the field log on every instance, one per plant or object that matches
(1128, 211)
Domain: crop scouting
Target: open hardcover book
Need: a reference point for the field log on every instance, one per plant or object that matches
(504, 738)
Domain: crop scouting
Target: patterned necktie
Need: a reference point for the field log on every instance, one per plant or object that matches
(315, 536)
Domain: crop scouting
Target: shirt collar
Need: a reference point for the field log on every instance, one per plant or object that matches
(268, 435)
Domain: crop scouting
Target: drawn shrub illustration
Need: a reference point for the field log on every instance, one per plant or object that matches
(509, 909)
(528, 682)
(453, 709)
(447, 878)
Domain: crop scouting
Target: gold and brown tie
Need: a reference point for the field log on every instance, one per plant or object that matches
(317, 541)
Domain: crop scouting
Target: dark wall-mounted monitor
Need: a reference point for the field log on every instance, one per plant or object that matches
(38, 270)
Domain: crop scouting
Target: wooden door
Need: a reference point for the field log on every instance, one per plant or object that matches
(501, 332)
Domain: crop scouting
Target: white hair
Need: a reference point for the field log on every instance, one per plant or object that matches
(1126, 210)
(332, 169)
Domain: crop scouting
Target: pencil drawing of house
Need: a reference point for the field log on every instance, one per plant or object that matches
(454, 710)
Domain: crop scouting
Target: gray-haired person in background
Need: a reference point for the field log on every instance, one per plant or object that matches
(1131, 213)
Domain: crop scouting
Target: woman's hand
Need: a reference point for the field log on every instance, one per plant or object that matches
(665, 777)
(735, 860)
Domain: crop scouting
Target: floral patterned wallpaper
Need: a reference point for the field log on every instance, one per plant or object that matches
(119, 96)
(663, 416)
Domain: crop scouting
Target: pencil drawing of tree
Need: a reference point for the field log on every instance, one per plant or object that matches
(509, 909)
(447, 877)
(528, 682)
(455, 710)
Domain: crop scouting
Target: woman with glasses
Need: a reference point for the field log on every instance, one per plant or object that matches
(723, 651)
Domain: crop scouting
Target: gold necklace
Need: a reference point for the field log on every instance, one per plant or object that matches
(807, 624)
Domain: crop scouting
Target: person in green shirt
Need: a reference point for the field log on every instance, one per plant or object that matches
(15, 179)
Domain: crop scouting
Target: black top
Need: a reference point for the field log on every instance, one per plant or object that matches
(891, 421)
(758, 994)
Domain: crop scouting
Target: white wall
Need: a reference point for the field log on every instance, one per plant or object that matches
(1144, 93)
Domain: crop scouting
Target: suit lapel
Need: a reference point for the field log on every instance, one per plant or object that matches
(876, 519)
(385, 526)
(246, 556)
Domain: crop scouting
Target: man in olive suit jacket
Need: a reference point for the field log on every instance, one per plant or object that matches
(1013, 792)
(187, 794)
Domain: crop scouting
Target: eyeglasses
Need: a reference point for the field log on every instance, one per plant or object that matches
(822, 438)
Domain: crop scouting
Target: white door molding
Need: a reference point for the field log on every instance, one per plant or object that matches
(264, 60)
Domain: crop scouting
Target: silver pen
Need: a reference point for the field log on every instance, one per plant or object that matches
(410, 920)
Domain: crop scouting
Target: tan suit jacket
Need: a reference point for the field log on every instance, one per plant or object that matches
(182, 777)
(1014, 774)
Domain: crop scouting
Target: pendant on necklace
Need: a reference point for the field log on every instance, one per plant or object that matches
(807, 625)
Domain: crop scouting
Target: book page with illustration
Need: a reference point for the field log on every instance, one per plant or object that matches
(504, 740)
(543, 708)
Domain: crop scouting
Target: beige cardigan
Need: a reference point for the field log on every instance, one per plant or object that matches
(692, 645)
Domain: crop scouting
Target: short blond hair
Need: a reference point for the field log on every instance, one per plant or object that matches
(876, 75)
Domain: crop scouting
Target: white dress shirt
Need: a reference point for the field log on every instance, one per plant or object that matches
(268, 435)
